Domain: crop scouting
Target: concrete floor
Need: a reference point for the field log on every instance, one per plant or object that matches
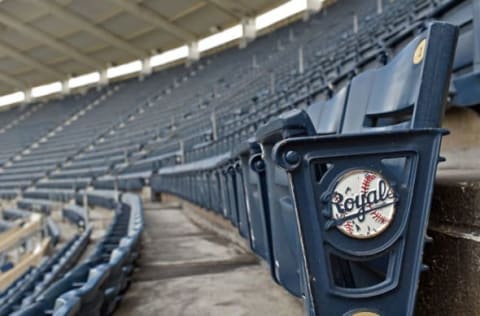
(187, 270)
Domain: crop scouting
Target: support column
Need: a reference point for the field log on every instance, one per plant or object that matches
(314, 5)
(146, 67)
(28, 95)
(193, 53)
(249, 31)
(103, 78)
(65, 87)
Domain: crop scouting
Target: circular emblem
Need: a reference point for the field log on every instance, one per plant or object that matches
(363, 204)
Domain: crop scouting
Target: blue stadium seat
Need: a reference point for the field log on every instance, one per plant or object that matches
(256, 199)
(320, 118)
(90, 294)
(67, 305)
(390, 137)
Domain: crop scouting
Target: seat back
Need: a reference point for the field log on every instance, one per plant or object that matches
(406, 93)
(76, 276)
(326, 116)
(67, 305)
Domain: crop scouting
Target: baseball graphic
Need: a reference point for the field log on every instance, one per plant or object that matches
(363, 204)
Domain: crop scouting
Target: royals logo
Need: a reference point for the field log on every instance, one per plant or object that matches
(363, 204)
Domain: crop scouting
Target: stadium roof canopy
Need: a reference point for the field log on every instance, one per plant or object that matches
(45, 41)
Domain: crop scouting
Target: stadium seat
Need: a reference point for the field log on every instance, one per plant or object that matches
(320, 118)
(401, 103)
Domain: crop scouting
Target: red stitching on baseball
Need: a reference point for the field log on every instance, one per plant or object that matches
(378, 217)
(367, 181)
(348, 227)
(366, 184)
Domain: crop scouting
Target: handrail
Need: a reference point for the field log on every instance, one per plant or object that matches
(32, 259)
(9, 238)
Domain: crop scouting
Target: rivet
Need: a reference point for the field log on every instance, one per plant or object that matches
(259, 164)
(292, 157)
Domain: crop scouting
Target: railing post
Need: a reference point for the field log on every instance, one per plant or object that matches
(182, 152)
(85, 206)
(355, 23)
(213, 118)
(272, 82)
(379, 6)
(300, 60)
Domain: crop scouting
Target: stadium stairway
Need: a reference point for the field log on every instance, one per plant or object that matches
(189, 267)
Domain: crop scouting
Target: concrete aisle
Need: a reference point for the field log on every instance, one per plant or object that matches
(186, 270)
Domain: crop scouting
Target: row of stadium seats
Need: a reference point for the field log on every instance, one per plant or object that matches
(76, 215)
(94, 286)
(13, 220)
(38, 279)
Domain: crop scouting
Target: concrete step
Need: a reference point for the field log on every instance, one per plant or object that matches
(187, 269)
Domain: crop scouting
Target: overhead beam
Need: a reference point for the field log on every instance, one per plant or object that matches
(27, 60)
(225, 9)
(14, 83)
(155, 19)
(188, 11)
(86, 25)
(49, 40)
(231, 8)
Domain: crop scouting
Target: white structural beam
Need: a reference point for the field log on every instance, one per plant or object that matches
(86, 25)
(27, 60)
(49, 40)
(155, 19)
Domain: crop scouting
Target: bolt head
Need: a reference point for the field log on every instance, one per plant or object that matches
(292, 157)
(259, 164)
